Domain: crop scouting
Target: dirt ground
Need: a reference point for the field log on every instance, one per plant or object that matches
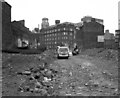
(87, 74)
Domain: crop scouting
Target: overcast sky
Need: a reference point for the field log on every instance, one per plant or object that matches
(32, 11)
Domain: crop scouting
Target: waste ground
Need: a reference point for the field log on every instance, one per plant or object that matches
(87, 74)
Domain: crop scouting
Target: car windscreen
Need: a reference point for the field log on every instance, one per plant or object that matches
(63, 49)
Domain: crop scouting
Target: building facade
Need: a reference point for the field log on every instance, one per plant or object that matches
(109, 40)
(88, 34)
(20, 33)
(117, 38)
(89, 19)
(62, 33)
(117, 32)
(5, 10)
(84, 34)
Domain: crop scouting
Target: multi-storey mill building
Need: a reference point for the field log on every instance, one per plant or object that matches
(52, 36)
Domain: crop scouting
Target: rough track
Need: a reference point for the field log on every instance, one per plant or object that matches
(81, 77)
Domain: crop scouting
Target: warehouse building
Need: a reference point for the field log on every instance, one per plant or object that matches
(60, 33)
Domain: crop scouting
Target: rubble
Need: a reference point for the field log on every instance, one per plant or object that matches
(38, 80)
(61, 77)
(108, 54)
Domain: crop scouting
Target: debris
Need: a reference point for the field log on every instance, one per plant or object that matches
(46, 79)
(26, 73)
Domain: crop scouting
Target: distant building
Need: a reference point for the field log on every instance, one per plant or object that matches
(5, 24)
(20, 33)
(89, 19)
(45, 23)
(117, 32)
(109, 39)
(87, 35)
(83, 33)
(117, 38)
(108, 35)
(60, 33)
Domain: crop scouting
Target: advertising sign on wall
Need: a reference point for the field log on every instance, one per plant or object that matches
(100, 38)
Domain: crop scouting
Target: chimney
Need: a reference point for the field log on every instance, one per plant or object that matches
(57, 22)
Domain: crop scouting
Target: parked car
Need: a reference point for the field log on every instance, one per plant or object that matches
(63, 52)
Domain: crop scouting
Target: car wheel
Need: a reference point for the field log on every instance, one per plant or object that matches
(58, 57)
(67, 57)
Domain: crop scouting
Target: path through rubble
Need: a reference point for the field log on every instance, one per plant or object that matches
(45, 75)
(81, 77)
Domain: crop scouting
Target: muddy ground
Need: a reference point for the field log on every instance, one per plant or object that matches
(91, 73)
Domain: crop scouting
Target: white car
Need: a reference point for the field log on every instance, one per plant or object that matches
(63, 52)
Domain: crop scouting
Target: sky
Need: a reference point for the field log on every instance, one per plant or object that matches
(32, 11)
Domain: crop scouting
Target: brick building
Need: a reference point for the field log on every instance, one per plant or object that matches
(84, 34)
(88, 34)
(117, 38)
(89, 19)
(20, 33)
(5, 24)
(55, 35)
(109, 40)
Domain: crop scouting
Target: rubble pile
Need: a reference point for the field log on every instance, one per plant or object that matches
(43, 75)
(38, 80)
(85, 80)
(102, 53)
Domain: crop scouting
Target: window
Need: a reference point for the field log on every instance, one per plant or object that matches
(71, 34)
(71, 29)
(74, 36)
(64, 28)
(64, 33)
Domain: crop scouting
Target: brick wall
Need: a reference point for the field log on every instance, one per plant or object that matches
(89, 32)
(6, 26)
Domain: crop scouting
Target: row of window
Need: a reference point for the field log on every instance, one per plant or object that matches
(63, 38)
(54, 34)
(48, 38)
(54, 43)
(60, 29)
(59, 38)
